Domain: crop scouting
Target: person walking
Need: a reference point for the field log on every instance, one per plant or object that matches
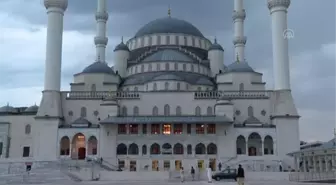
(209, 174)
(192, 173)
(220, 166)
(182, 174)
(240, 175)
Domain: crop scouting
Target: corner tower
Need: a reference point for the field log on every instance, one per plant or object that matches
(285, 115)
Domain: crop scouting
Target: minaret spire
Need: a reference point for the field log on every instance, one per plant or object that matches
(238, 17)
(101, 40)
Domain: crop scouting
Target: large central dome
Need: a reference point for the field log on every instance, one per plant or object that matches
(169, 25)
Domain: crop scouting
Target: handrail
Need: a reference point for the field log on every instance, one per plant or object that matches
(312, 176)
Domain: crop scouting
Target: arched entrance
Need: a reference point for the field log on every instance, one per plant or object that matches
(92, 145)
(200, 149)
(78, 147)
(254, 145)
(65, 146)
(241, 145)
(268, 146)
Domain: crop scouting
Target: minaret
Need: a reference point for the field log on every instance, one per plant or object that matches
(49, 114)
(101, 40)
(50, 104)
(238, 17)
(278, 10)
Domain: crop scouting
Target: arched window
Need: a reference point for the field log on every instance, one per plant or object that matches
(124, 111)
(83, 112)
(121, 149)
(185, 41)
(178, 86)
(209, 111)
(93, 87)
(136, 69)
(144, 150)
(166, 148)
(176, 40)
(92, 146)
(178, 111)
(175, 66)
(166, 86)
(27, 129)
(189, 149)
(241, 145)
(200, 149)
(154, 87)
(178, 149)
(192, 68)
(250, 111)
(150, 41)
(149, 67)
(166, 110)
(158, 40)
(184, 67)
(135, 111)
(241, 87)
(198, 111)
(167, 66)
(133, 149)
(142, 42)
(135, 88)
(155, 111)
(158, 66)
(254, 145)
(65, 146)
(155, 149)
(268, 145)
(193, 41)
(167, 40)
(199, 88)
(211, 149)
(142, 68)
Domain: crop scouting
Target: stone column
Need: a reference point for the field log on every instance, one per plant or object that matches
(296, 163)
(320, 163)
(314, 163)
(304, 164)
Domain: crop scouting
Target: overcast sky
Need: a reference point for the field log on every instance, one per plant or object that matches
(312, 50)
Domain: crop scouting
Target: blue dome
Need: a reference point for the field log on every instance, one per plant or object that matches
(98, 67)
(169, 25)
(216, 46)
(121, 46)
(239, 67)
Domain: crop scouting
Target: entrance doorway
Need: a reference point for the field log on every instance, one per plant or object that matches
(178, 165)
(212, 163)
(200, 164)
(132, 166)
(155, 165)
(81, 153)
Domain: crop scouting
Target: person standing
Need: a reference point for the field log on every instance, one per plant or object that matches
(220, 166)
(192, 173)
(182, 174)
(209, 174)
(240, 175)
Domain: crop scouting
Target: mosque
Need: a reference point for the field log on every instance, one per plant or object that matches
(170, 99)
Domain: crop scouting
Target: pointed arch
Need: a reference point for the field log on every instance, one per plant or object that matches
(133, 149)
(135, 111)
(78, 150)
(241, 145)
(65, 146)
(178, 149)
(189, 149)
(166, 148)
(166, 86)
(154, 87)
(83, 112)
(254, 144)
(209, 111)
(155, 111)
(124, 111)
(27, 129)
(155, 149)
(121, 149)
(166, 110)
(178, 111)
(198, 111)
(241, 87)
(144, 150)
(93, 88)
(211, 149)
(92, 146)
(200, 149)
(250, 111)
(268, 145)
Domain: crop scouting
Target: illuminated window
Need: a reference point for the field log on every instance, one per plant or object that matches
(155, 129)
(122, 129)
(133, 128)
(178, 128)
(80, 137)
(166, 129)
(199, 129)
(211, 128)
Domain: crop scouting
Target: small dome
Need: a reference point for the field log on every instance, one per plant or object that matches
(7, 109)
(216, 46)
(239, 67)
(81, 122)
(121, 47)
(33, 108)
(98, 67)
(168, 55)
(252, 120)
(169, 25)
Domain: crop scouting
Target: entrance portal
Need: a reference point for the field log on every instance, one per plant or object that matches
(78, 148)
(178, 165)
(132, 166)
(81, 153)
(200, 164)
(212, 163)
(155, 165)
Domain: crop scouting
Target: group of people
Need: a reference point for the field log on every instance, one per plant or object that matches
(240, 174)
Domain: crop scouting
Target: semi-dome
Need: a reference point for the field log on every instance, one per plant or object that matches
(7, 109)
(169, 25)
(239, 67)
(216, 46)
(98, 67)
(33, 108)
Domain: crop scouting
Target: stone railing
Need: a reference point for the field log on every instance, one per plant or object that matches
(232, 95)
(79, 95)
(313, 176)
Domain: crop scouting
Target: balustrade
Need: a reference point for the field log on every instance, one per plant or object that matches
(231, 94)
(100, 95)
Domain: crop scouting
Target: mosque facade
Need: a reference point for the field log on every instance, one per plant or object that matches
(170, 100)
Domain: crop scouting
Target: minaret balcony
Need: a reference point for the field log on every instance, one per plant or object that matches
(101, 16)
(239, 15)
